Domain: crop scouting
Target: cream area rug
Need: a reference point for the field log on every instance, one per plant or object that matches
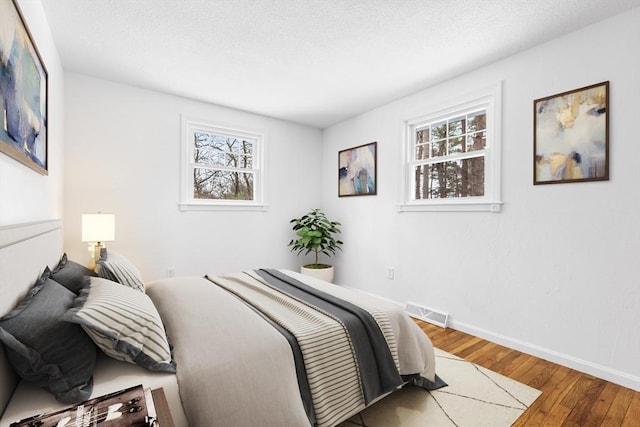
(474, 397)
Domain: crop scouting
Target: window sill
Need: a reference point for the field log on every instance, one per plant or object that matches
(494, 207)
(223, 207)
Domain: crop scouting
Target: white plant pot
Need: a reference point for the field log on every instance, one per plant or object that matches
(325, 274)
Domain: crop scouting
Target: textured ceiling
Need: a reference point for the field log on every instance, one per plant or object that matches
(315, 62)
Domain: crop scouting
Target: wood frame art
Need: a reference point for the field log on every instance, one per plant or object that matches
(357, 170)
(571, 136)
(23, 92)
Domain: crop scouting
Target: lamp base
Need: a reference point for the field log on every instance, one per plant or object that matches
(94, 250)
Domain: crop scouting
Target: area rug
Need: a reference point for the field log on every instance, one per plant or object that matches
(474, 397)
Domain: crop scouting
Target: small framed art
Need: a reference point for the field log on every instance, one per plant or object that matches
(23, 92)
(571, 136)
(357, 175)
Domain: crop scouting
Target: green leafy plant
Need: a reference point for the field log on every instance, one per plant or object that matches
(315, 234)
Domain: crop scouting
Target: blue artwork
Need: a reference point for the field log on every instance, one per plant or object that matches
(357, 171)
(23, 93)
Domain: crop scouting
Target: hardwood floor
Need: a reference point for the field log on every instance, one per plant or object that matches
(569, 398)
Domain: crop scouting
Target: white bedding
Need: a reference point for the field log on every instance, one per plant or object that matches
(236, 370)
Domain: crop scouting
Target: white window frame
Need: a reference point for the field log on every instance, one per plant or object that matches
(489, 99)
(187, 201)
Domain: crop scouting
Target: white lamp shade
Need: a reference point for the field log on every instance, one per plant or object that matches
(98, 227)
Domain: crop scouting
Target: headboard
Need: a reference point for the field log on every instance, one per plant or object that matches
(25, 250)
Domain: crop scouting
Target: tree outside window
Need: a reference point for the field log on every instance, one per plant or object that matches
(221, 167)
(452, 160)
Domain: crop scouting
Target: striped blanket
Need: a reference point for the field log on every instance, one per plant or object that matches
(345, 355)
(236, 363)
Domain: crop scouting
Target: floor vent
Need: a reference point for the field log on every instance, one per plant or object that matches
(427, 314)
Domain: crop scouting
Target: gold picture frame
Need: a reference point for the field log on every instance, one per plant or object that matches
(23, 92)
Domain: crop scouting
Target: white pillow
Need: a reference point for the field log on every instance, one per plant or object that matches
(124, 323)
(117, 268)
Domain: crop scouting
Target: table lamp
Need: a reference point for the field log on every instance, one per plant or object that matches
(96, 229)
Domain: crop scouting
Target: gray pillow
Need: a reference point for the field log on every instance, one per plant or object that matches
(45, 350)
(113, 266)
(71, 275)
(124, 323)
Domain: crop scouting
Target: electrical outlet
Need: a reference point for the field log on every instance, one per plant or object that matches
(171, 272)
(391, 272)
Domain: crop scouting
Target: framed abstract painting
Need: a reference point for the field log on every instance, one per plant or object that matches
(571, 136)
(357, 174)
(23, 92)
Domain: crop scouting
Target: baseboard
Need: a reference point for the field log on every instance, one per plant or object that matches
(612, 375)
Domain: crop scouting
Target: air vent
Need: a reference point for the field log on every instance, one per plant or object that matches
(427, 314)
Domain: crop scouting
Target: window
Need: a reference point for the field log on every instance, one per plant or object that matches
(221, 167)
(453, 157)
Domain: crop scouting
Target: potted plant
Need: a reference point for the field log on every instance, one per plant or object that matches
(315, 234)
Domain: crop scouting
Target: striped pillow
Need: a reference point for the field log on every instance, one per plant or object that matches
(124, 323)
(115, 267)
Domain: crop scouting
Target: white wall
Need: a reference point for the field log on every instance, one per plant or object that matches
(25, 195)
(122, 156)
(557, 273)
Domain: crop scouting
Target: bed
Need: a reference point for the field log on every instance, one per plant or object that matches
(240, 358)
